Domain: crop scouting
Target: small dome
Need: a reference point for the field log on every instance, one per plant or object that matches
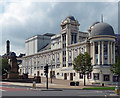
(102, 29)
(71, 18)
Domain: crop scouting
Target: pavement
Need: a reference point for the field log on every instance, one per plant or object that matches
(57, 88)
(56, 83)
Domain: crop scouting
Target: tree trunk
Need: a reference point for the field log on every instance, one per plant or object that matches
(118, 80)
(84, 80)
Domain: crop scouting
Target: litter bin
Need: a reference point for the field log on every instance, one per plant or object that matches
(34, 84)
(77, 83)
(72, 83)
(117, 90)
(102, 84)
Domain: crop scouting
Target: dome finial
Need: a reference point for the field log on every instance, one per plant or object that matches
(102, 18)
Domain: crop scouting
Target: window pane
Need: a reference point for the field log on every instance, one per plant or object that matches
(96, 76)
(106, 77)
(115, 79)
(89, 76)
(81, 76)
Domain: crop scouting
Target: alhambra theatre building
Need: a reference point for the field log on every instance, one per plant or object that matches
(59, 51)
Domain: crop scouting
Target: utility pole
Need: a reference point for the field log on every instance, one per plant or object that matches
(47, 80)
(51, 68)
(46, 73)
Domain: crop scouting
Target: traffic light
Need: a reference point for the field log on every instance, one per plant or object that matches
(46, 69)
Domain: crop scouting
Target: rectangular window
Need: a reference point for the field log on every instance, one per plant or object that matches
(63, 59)
(64, 65)
(96, 76)
(115, 79)
(81, 76)
(89, 76)
(63, 45)
(69, 64)
(106, 77)
(71, 39)
(75, 40)
(58, 66)
(63, 52)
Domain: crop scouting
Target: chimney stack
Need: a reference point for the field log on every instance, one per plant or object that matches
(7, 47)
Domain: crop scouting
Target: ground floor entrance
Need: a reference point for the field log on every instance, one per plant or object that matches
(52, 73)
(71, 76)
(65, 76)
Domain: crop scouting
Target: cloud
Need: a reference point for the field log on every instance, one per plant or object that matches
(25, 19)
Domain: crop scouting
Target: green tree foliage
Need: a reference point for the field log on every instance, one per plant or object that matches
(4, 66)
(115, 68)
(82, 64)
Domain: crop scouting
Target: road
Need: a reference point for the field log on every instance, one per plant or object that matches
(12, 90)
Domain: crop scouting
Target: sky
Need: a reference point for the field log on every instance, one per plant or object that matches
(20, 20)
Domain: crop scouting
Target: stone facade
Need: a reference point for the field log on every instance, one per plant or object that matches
(64, 47)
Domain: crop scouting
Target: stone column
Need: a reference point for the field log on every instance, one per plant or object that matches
(27, 66)
(67, 53)
(36, 62)
(23, 63)
(55, 59)
(72, 55)
(99, 53)
(111, 53)
(31, 67)
(91, 50)
(108, 52)
(94, 53)
(102, 52)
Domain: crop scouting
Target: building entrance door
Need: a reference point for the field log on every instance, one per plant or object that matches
(65, 76)
(52, 73)
(71, 76)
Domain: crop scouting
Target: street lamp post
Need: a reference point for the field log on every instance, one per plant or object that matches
(51, 68)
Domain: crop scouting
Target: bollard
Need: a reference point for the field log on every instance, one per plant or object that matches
(117, 90)
(34, 84)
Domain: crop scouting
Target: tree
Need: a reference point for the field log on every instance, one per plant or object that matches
(4, 65)
(82, 64)
(115, 68)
